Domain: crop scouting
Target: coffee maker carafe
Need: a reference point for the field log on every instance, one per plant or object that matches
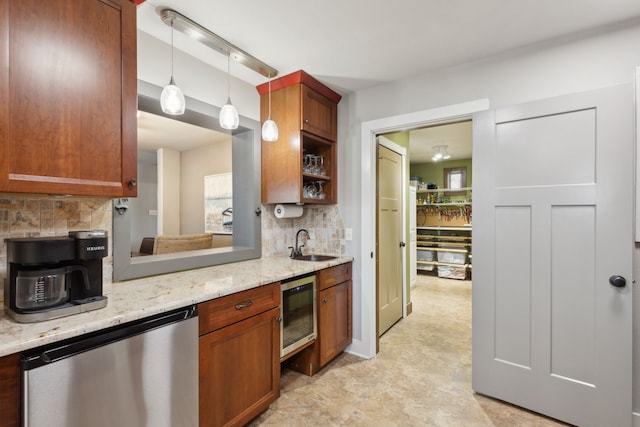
(50, 277)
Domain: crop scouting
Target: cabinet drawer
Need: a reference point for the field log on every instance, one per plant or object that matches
(220, 312)
(333, 275)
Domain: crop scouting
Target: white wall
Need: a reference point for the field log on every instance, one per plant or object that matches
(142, 223)
(195, 165)
(544, 71)
(168, 192)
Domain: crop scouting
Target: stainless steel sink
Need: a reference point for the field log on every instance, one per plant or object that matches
(313, 257)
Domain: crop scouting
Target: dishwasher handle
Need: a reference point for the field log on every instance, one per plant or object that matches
(61, 350)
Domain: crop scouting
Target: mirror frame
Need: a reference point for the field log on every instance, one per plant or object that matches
(247, 242)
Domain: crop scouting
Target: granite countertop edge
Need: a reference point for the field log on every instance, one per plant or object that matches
(139, 298)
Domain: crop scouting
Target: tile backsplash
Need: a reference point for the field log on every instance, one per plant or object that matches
(43, 216)
(323, 222)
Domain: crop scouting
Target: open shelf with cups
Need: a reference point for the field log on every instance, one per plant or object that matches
(318, 170)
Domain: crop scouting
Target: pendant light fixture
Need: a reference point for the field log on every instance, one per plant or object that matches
(172, 98)
(229, 118)
(269, 127)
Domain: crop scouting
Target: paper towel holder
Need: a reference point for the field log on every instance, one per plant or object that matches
(282, 211)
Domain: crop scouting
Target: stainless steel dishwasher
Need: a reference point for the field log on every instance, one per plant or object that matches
(143, 373)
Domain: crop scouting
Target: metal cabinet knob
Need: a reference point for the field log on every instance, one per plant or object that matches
(617, 281)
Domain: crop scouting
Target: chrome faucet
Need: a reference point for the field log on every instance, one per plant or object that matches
(297, 250)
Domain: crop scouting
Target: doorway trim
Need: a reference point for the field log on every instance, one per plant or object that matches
(368, 133)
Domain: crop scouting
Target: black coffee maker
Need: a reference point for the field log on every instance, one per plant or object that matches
(50, 277)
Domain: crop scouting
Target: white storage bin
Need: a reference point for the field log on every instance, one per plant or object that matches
(452, 257)
(427, 256)
(452, 272)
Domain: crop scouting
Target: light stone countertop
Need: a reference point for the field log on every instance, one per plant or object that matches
(135, 299)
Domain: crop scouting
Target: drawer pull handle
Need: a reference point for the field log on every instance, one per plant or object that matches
(244, 305)
(324, 300)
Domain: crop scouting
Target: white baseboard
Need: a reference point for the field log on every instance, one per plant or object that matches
(636, 419)
(356, 346)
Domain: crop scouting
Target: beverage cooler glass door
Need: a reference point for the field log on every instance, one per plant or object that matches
(298, 314)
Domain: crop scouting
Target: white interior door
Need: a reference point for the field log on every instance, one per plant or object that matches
(552, 222)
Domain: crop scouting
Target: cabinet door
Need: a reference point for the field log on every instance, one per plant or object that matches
(319, 114)
(334, 317)
(239, 370)
(10, 391)
(69, 77)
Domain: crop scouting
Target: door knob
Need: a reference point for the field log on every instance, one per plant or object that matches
(402, 244)
(618, 281)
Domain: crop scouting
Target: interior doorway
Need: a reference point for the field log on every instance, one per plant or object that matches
(366, 346)
(436, 236)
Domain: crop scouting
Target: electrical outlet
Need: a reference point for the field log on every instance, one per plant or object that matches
(312, 235)
(153, 212)
(348, 234)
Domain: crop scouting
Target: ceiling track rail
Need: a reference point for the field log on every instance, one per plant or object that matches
(214, 41)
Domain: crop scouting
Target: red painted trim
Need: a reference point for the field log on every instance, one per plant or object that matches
(299, 77)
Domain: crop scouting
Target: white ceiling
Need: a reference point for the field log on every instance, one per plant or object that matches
(351, 45)
(156, 132)
(354, 44)
(455, 136)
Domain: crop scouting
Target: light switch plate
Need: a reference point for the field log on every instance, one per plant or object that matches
(348, 234)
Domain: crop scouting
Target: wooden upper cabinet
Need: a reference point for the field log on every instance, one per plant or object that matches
(68, 82)
(306, 112)
(319, 114)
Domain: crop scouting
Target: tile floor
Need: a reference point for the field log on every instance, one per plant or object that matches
(421, 377)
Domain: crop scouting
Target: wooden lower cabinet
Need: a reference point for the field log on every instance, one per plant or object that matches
(10, 391)
(334, 315)
(239, 363)
(334, 321)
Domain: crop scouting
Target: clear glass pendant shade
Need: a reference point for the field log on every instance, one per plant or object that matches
(269, 130)
(269, 127)
(229, 118)
(172, 99)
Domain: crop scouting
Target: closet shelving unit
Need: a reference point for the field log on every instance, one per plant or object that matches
(444, 237)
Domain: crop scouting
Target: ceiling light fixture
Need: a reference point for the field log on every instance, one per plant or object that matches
(172, 98)
(440, 153)
(229, 118)
(269, 127)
